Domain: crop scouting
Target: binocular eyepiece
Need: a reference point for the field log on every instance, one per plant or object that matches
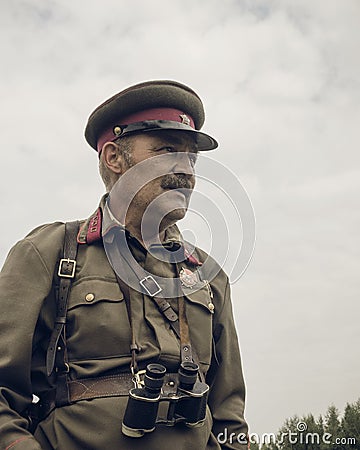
(154, 377)
(187, 402)
(188, 373)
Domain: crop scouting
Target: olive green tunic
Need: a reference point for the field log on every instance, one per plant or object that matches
(98, 340)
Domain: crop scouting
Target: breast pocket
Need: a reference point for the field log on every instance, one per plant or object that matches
(97, 325)
(199, 312)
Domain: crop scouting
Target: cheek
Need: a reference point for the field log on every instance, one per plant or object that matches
(148, 192)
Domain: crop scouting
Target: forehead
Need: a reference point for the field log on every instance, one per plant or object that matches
(177, 138)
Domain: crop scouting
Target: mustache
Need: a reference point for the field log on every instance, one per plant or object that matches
(179, 181)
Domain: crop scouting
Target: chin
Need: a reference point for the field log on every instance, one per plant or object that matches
(174, 216)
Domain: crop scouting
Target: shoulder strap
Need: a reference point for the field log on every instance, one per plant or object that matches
(66, 273)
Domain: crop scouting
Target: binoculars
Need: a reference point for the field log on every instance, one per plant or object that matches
(186, 403)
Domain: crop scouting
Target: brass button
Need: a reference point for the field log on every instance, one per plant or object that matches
(89, 297)
(117, 130)
(211, 307)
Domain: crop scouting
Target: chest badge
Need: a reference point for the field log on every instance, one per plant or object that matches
(188, 278)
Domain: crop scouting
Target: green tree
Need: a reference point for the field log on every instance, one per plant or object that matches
(311, 437)
(325, 433)
(291, 434)
(351, 426)
(267, 447)
(333, 427)
(321, 430)
(254, 446)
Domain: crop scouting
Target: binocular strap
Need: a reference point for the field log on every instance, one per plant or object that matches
(119, 251)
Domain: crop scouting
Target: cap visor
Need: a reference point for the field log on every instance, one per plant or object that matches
(203, 140)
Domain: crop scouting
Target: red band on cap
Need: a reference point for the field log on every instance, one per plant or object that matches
(174, 115)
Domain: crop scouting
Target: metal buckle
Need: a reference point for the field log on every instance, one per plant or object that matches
(67, 272)
(65, 370)
(150, 279)
(138, 382)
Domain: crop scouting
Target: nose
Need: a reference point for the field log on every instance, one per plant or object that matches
(183, 163)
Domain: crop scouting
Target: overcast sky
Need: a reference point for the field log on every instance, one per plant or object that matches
(281, 85)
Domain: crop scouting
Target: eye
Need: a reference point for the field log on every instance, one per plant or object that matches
(168, 149)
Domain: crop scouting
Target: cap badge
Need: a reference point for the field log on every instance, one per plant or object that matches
(188, 278)
(185, 119)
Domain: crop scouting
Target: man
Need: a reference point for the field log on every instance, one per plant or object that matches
(84, 312)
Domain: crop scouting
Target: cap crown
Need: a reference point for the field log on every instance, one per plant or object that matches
(141, 97)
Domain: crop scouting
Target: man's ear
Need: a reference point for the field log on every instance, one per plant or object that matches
(112, 157)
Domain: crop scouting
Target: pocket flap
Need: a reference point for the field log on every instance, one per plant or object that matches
(88, 292)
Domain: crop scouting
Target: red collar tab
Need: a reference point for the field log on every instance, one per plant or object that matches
(94, 229)
(91, 229)
(191, 259)
(171, 114)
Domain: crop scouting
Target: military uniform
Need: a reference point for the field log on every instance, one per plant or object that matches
(98, 344)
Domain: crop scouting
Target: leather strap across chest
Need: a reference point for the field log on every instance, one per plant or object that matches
(56, 351)
(119, 255)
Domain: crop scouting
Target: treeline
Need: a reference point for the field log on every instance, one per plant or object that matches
(328, 432)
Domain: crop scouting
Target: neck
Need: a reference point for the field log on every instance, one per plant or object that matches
(145, 237)
(148, 232)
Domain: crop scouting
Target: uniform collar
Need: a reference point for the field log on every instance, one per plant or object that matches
(102, 221)
(90, 230)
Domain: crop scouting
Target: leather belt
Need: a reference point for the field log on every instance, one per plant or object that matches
(99, 387)
(116, 385)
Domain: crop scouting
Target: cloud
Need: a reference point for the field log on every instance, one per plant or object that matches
(280, 84)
